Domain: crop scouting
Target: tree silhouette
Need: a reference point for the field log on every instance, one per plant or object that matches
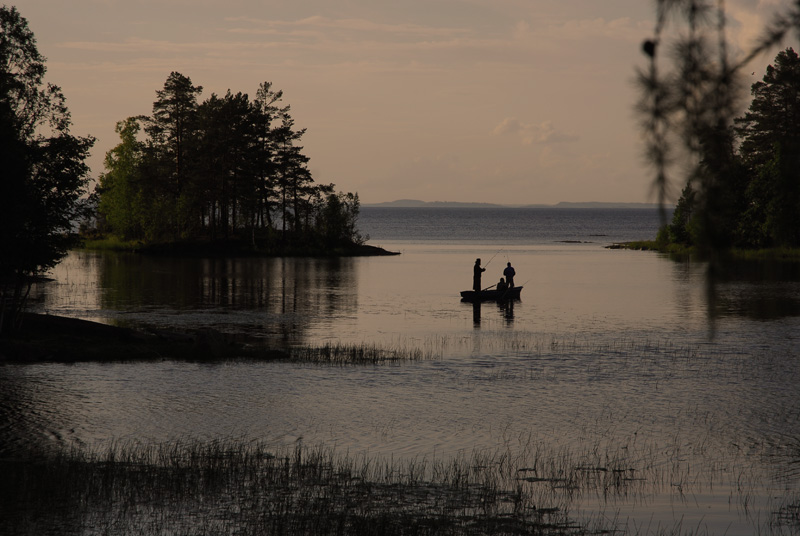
(770, 149)
(43, 168)
(687, 111)
(227, 169)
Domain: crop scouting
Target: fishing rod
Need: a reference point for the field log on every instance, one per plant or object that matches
(493, 256)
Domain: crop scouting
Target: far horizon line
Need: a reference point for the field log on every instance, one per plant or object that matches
(414, 203)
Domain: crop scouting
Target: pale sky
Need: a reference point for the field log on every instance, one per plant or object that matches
(501, 101)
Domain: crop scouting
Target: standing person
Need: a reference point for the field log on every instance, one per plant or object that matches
(476, 275)
(509, 272)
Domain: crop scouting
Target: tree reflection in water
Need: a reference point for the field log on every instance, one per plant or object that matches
(281, 296)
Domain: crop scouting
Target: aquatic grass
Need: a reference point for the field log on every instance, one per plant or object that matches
(787, 515)
(518, 344)
(112, 243)
(526, 485)
(243, 487)
(513, 344)
(236, 485)
(356, 354)
(683, 251)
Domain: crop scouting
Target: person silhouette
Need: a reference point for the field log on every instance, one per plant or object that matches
(509, 272)
(476, 275)
(502, 286)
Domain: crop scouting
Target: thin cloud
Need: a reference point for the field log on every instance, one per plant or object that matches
(574, 30)
(363, 26)
(543, 133)
(319, 40)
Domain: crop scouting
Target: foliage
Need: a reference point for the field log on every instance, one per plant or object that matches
(770, 148)
(336, 222)
(118, 185)
(688, 118)
(227, 169)
(44, 170)
(680, 230)
(774, 114)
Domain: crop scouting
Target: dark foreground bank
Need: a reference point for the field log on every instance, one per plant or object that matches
(61, 339)
(49, 338)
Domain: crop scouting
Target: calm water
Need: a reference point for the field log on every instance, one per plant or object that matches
(607, 349)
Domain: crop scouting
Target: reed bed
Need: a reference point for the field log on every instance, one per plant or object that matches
(356, 354)
(236, 486)
(519, 344)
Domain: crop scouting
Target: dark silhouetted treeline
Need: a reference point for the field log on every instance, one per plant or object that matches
(229, 169)
(759, 205)
(740, 175)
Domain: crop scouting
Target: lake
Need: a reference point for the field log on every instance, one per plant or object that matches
(608, 351)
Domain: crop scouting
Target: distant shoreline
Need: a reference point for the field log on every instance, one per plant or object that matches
(413, 203)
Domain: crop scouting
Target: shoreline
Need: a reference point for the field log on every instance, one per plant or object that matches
(46, 338)
(766, 254)
(53, 338)
(233, 248)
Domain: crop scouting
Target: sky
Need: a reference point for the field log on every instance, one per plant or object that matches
(499, 101)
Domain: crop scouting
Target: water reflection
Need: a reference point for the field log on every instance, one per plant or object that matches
(504, 308)
(758, 289)
(271, 298)
(507, 309)
(628, 368)
(755, 289)
(301, 300)
(136, 280)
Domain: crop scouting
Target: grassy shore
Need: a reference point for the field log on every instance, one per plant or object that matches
(787, 254)
(653, 245)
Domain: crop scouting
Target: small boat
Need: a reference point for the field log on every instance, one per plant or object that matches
(491, 295)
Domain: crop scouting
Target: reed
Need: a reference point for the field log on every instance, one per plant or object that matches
(237, 486)
(523, 344)
(230, 486)
(112, 243)
(357, 354)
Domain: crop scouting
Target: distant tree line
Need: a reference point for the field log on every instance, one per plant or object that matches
(741, 183)
(222, 169)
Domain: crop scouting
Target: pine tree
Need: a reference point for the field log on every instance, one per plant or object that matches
(770, 148)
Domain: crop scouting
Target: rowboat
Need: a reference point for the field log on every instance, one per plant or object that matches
(491, 295)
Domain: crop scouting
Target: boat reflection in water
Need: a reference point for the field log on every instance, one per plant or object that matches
(491, 295)
(503, 299)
